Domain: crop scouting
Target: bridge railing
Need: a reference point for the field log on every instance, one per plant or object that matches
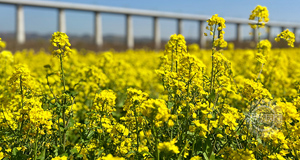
(98, 35)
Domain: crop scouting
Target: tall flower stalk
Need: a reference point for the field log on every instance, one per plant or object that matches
(261, 15)
(61, 42)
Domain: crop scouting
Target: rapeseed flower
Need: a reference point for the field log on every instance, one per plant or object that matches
(264, 47)
(2, 44)
(288, 36)
(168, 147)
(6, 56)
(260, 13)
(216, 23)
(111, 157)
(60, 158)
(61, 41)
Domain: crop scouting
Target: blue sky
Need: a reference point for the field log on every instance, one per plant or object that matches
(43, 21)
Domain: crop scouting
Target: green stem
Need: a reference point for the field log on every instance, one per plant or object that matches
(22, 96)
(22, 104)
(172, 59)
(212, 62)
(187, 103)
(179, 157)
(64, 101)
(137, 133)
(259, 49)
(62, 71)
(212, 70)
(156, 141)
(35, 147)
(213, 147)
(51, 88)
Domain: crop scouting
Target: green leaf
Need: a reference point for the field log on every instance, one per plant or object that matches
(47, 66)
(100, 151)
(212, 157)
(42, 155)
(88, 102)
(212, 96)
(50, 74)
(71, 123)
(14, 151)
(129, 153)
(55, 150)
(142, 153)
(74, 93)
(170, 104)
(65, 154)
(259, 140)
(208, 145)
(79, 156)
(90, 134)
(74, 151)
(205, 156)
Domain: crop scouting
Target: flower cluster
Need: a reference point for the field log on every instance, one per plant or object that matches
(22, 75)
(168, 147)
(288, 36)
(260, 13)
(264, 47)
(193, 104)
(2, 44)
(61, 41)
(105, 101)
(176, 45)
(255, 91)
(110, 157)
(60, 158)
(156, 110)
(6, 57)
(216, 23)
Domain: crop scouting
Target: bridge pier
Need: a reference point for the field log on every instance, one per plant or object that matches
(61, 20)
(129, 32)
(201, 34)
(156, 33)
(20, 25)
(98, 37)
(239, 35)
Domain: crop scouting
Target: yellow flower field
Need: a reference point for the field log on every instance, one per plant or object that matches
(180, 103)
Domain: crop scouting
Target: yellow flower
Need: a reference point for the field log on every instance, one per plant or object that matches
(196, 158)
(254, 91)
(61, 41)
(217, 22)
(244, 137)
(288, 36)
(219, 135)
(264, 47)
(1, 155)
(260, 13)
(170, 123)
(110, 157)
(105, 101)
(6, 56)
(60, 158)
(2, 44)
(156, 109)
(168, 147)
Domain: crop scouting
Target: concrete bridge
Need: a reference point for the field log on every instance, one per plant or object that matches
(98, 35)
